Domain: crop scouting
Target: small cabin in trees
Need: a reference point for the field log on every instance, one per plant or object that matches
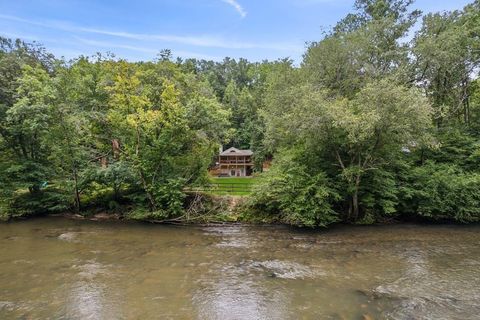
(234, 162)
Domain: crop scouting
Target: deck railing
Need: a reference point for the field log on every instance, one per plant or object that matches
(236, 162)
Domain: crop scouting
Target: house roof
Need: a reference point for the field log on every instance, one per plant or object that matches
(236, 152)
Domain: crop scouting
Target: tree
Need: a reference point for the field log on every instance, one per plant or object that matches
(26, 128)
(164, 138)
(295, 193)
(360, 134)
(71, 142)
(363, 47)
(446, 55)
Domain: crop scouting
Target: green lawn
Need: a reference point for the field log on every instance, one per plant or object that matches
(236, 186)
(242, 180)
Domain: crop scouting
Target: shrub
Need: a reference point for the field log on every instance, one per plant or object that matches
(442, 191)
(46, 201)
(295, 195)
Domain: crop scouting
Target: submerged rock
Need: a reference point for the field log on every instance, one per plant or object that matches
(367, 317)
(286, 269)
(67, 236)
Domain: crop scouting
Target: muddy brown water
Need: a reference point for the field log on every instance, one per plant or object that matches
(54, 268)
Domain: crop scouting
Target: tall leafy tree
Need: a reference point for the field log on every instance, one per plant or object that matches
(26, 128)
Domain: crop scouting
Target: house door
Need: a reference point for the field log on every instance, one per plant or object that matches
(232, 173)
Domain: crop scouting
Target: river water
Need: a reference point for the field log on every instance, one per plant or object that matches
(54, 268)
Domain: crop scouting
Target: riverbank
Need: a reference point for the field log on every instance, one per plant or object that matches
(200, 208)
(203, 208)
(230, 216)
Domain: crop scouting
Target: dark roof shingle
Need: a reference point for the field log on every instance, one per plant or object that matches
(236, 152)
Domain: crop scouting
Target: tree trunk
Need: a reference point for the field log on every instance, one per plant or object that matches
(77, 192)
(104, 162)
(115, 149)
(467, 112)
(355, 206)
(150, 197)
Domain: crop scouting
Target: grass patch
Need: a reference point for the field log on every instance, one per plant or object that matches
(234, 180)
(234, 186)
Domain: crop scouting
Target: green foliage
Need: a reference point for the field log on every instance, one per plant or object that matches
(294, 195)
(379, 196)
(26, 127)
(458, 146)
(47, 201)
(162, 138)
(356, 135)
(117, 177)
(363, 47)
(355, 108)
(446, 54)
(170, 198)
(444, 192)
(104, 132)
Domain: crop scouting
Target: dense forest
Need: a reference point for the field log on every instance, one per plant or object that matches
(380, 121)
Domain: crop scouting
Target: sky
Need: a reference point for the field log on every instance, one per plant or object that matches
(203, 29)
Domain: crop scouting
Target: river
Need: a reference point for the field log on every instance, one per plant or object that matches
(55, 268)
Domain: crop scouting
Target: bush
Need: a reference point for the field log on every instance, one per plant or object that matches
(442, 191)
(378, 197)
(4, 216)
(295, 195)
(169, 201)
(46, 201)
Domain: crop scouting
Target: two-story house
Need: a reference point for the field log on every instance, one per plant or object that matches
(234, 162)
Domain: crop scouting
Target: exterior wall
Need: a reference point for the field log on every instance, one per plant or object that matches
(234, 171)
(235, 166)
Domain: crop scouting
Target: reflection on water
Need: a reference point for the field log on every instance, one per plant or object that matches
(86, 296)
(233, 296)
(425, 292)
(54, 268)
